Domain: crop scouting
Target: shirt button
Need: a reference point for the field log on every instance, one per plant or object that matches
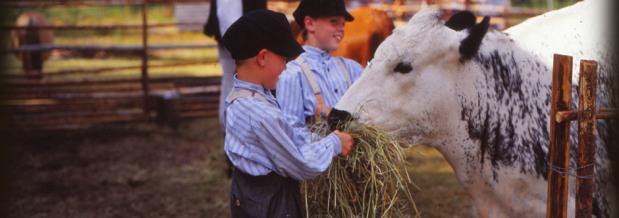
(237, 202)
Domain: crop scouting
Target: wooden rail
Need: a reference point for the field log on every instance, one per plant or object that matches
(77, 104)
(73, 3)
(103, 48)
(100, 26)
(14, 75)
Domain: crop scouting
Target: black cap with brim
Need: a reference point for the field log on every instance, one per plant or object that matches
(261, 29)
(288, 47)
(320, 8)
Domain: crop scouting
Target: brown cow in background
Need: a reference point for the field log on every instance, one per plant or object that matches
(362, 35)
(32, 62)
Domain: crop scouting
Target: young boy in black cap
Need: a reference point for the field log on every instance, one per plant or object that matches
(313, 83)
(268, 154)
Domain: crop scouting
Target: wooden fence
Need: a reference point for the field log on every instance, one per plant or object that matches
(561, 114)
(51, 104)
(37, 103)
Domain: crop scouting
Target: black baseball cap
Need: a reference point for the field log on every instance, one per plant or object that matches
(320, 8)
(261, 29)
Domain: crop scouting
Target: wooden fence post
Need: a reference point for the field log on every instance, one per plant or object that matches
(32, 61)
(145, 57)
(586, 140)
(559, 156)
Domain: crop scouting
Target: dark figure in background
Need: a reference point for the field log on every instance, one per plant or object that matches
(32, 62)
(219, 19)
(222, 14)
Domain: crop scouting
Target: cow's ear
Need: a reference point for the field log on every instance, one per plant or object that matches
(461, 20)
(470, 45)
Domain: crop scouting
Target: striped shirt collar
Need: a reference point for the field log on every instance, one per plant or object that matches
(254, 88)
(316, 53)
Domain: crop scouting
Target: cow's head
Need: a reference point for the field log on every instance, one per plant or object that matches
(409, 86)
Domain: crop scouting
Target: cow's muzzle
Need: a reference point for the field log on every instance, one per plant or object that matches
(338, 119)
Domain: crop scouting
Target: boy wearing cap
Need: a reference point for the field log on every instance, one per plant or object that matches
(268, 154)
(313, 83)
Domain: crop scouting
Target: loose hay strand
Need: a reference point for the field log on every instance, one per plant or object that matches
(371, 182)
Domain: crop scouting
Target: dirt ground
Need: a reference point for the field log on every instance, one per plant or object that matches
(132, 170)
(146, 170)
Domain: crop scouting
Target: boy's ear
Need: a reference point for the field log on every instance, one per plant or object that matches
(261, 57)
(309, 23)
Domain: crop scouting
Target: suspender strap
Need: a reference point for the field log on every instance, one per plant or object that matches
(321, 108)
(344, 71)
(309, 75)
(241, 93)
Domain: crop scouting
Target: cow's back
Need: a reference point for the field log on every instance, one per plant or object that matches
(580, 31)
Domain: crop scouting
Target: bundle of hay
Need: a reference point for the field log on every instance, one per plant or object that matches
(371, 182)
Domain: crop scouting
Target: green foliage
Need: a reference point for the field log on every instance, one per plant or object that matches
(542, 3)
(100, 14)
(97, 15)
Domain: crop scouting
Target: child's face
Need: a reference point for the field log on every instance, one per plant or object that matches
(274, 66)
(328, 31)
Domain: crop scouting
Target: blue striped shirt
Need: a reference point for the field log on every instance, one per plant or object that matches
(259, 139)
(294, 92)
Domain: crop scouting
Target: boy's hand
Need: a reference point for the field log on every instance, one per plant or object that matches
(346, 140)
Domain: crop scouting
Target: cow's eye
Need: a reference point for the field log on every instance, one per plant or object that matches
(403, 68)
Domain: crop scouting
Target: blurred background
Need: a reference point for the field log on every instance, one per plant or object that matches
(110, 106)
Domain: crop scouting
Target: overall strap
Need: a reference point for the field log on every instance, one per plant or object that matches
(345, 72)
(321, 108)
(237, 93)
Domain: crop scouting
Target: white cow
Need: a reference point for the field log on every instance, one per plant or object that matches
(478, 97)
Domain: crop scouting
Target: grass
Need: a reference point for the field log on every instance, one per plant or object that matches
(110, 14)
(156, 36)
(542, 3)
(438, 192)
(210, 69)
(57, 62)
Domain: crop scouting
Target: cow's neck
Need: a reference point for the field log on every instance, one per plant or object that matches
(506, 118)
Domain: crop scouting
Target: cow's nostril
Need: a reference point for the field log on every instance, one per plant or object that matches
(338, 118)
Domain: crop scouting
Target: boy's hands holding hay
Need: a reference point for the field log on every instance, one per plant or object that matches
(371, 181)
(346, 140)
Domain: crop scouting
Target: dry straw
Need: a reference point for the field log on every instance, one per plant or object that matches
(371, 182)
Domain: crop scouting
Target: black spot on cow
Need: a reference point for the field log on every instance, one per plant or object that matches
(495, 130)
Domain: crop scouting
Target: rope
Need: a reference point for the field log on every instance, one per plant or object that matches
(562, 172)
